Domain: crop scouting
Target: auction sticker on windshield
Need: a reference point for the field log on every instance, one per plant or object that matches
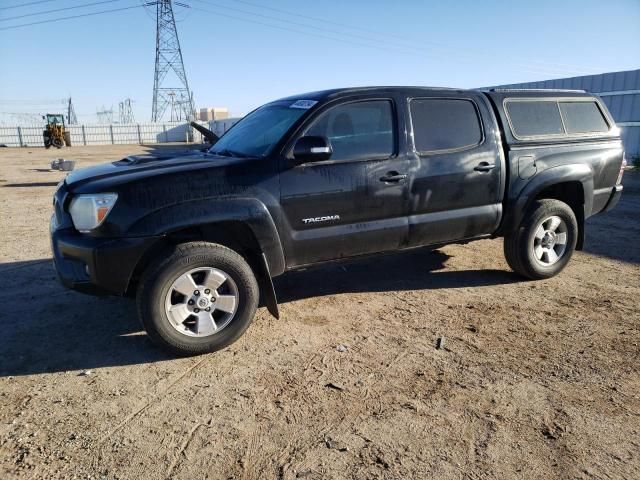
(306, 104)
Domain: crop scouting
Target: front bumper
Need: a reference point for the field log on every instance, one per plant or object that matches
(96, 266)
(616, 193)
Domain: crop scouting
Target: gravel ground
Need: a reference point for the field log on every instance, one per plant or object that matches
(533, 380)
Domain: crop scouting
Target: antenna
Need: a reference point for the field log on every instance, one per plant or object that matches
(169, 61)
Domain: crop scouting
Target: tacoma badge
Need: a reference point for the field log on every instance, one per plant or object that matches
(328, 218)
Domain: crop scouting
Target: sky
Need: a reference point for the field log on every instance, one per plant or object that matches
(243, 53)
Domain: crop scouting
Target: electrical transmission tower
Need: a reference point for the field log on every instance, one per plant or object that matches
(125, 112)
(104, 115)
(170, 86)
(71, 113)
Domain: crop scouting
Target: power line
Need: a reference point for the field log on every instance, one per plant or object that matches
(305, 25)
(528, 65)
(70, 17)
(269, 17)
(553, 69)
(58, 10)
(335, 32)
(318, 19)
(416, 50)
(385, 35)
(27, 4)
(31, 102)
(302, 32)
(146, 4)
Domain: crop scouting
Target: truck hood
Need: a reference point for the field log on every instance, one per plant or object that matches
(137, 167)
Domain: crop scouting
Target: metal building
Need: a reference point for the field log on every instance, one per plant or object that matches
(619, 90)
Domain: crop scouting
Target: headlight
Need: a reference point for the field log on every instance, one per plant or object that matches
(89, 211)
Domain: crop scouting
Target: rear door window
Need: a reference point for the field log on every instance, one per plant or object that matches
(534, 118)
(358, 130)
(444, 124)
(583, 117)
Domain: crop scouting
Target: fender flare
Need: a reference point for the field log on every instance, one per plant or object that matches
(268, 262)
(250, 211)
(518, 206)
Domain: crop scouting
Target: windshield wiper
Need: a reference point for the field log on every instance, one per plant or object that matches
(225, 152)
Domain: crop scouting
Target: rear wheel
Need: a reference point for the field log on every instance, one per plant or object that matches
(199, 299)
(545, 240)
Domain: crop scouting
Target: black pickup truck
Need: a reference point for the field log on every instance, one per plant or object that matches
(330, 175)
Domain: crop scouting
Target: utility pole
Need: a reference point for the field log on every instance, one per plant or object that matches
(173, 90)
(71, 114)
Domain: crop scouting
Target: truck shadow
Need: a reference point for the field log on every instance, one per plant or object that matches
(49, 329)
(418, 269)
(613, 234)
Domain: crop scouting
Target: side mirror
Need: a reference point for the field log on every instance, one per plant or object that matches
(312, 149)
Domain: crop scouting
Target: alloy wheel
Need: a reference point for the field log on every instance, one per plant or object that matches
(201, 302)
(550, 241)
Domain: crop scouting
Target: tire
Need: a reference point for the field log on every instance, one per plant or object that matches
(159, 295)
(57, 142)
(535, 249)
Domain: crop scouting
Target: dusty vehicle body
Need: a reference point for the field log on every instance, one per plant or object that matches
(332, 175)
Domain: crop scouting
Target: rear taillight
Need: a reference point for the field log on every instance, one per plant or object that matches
(622, 167)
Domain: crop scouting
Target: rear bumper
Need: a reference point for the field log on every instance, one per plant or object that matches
(96, 266)
(614, 198)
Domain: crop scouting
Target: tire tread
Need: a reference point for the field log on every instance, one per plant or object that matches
(175, 254)
(516, 243)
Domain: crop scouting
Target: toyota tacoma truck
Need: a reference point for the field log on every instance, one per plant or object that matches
(331, 175)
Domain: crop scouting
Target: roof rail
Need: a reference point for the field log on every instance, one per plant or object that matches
(566, 90)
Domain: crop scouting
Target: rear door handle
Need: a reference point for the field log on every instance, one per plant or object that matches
(393, 177)
(485, 167)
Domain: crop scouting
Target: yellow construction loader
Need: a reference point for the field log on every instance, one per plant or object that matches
(55, 133)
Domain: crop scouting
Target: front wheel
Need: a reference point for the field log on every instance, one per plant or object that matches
(199, 299)
(545, 240)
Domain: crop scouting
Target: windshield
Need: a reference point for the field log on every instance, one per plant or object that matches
(257, 133)
(54, 119)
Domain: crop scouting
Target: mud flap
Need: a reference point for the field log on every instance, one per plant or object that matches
(266, 287)
(581, 229)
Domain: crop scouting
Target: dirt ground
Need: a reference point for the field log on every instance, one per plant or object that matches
(536, 380)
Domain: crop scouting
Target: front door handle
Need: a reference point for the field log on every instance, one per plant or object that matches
(485, 167)
(393, 177)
